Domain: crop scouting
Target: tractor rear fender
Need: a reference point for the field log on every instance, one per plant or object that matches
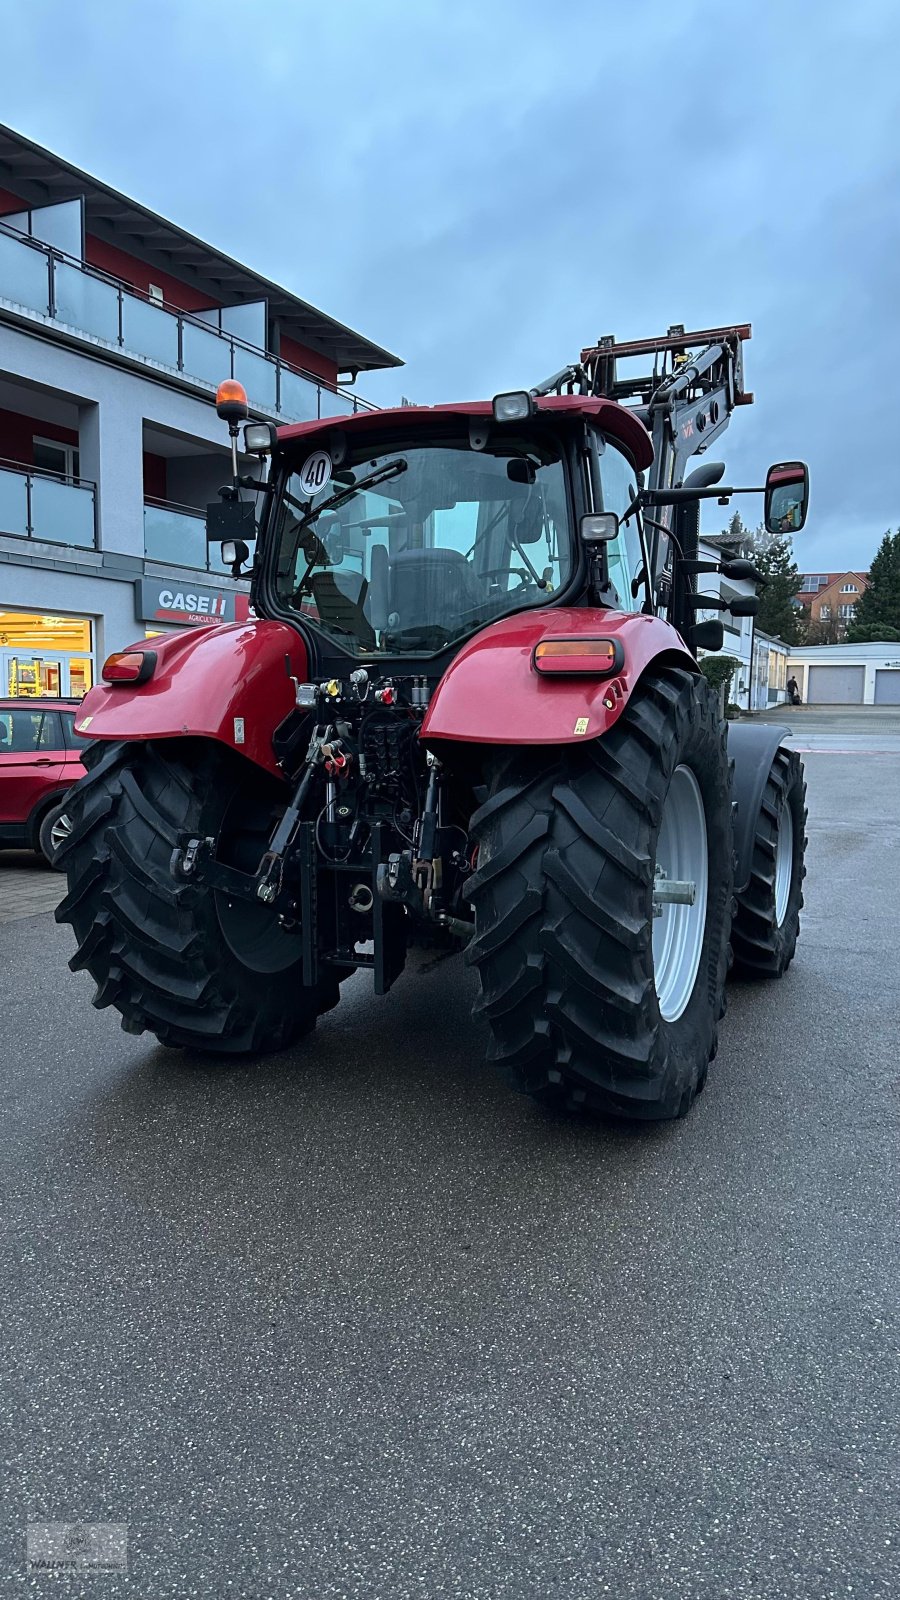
(230, 682)
(493, 694)
(752, 748)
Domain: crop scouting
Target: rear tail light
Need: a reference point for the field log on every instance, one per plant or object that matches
(129, 666)
(598, 657)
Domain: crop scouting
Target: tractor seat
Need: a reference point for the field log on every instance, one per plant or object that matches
(419, 588)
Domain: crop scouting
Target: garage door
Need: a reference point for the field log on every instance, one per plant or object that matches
(836, 686)
(887, 687)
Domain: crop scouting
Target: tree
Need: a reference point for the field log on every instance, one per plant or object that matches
(878, 607)
(777, 614)
(736, 533)
(884, 635)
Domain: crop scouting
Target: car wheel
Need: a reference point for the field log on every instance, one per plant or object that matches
(53, 832)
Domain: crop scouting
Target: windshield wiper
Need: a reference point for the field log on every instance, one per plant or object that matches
(391, 469)
(313, 548)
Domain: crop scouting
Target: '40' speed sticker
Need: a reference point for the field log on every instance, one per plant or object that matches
(315, 472)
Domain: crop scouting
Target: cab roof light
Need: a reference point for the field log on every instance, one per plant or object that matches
(259, 438)
(596, 658)
(516, 406)
(129, 666)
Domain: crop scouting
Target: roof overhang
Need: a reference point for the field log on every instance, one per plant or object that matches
(42, 178)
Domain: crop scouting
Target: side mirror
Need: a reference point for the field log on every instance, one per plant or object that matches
(787, 497)
(599, 527)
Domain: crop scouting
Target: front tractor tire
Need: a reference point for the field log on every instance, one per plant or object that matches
(592, 1001)
(176, 958)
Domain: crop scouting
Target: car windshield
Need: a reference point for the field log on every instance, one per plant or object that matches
(410, 549)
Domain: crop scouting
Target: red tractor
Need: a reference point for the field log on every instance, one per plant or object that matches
(469, 716)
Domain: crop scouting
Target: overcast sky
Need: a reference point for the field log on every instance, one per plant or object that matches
(484, 186)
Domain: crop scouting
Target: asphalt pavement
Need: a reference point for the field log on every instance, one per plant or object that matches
(358, 1323)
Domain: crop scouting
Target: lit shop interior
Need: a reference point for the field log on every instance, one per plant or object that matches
(45, 655)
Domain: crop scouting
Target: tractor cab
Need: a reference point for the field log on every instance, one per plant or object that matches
(398, 535)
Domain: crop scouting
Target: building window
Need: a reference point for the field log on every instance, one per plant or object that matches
(812, 582)
(825, 613)
(51, 456)
(846, 611)
(849, 588)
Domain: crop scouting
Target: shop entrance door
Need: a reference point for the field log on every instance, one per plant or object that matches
(31, 676)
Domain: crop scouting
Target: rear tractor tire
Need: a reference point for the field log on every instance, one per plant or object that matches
(185, 962)
(592, 1001)
(767, 921)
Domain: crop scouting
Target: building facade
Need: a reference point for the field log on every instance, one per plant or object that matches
(115, 329)
(831, 598)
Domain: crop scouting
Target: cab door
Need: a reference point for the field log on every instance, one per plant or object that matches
(31, 759)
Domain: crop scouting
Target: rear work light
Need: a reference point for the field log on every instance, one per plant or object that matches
(129, 666)
(599, 658)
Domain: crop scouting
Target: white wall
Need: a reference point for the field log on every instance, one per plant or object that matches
(870, 656)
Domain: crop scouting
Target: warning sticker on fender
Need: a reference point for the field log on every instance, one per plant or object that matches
(581, 725)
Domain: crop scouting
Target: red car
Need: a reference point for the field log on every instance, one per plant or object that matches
(40, 759)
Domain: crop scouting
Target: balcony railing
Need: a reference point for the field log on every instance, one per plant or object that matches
(40, 505)
(39, 279)
(176, 536)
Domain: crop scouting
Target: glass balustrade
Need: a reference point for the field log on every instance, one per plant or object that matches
(62, 513)
(41, 280)
(150, 330)
(13, 502)
(47, 508)
(175, 536)
(85, 302)
(24, 275)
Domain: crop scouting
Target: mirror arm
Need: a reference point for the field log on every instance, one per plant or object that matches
(682, 496)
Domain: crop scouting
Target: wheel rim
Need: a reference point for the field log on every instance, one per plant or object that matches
(60, 831)
(678, 930)
(784, 863)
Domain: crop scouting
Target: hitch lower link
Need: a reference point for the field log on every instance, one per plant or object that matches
(196, 858)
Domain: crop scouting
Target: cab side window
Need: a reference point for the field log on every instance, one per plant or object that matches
(618, 485)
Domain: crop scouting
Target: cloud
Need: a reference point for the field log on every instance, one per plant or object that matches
(487, 187)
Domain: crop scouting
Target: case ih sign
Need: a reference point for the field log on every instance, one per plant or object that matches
(167, 600)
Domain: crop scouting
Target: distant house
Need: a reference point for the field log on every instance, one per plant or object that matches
(832, 597)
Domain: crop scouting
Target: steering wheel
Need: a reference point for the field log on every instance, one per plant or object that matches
(525, 578)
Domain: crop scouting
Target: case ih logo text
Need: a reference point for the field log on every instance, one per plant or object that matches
(192, 605)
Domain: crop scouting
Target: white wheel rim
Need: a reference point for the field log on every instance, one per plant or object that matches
(682, 854)
(784, 863)
(60, 831)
